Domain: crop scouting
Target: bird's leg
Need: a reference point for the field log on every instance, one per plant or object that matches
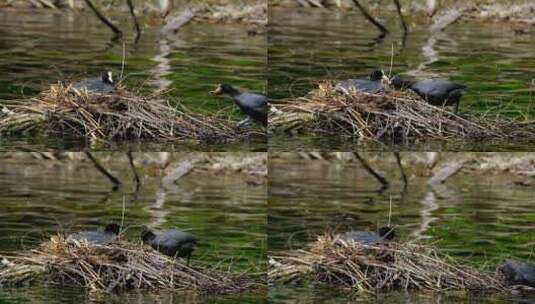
(187, 259)
(457, 106)
(245, 122)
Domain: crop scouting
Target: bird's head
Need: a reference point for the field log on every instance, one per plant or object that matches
(387, 232)
(399, 84)
(377, 75)
(107, 77)
(224, 89)
(396, 82)
(147, 235)
(112, 228)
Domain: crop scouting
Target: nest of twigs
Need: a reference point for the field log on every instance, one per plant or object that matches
(385, 266)
(394, 115)
(119, 265)
(122, 115)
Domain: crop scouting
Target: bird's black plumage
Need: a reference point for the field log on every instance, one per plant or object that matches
(96, 236)
(104, 84)
(436, 91)
(371, 85)
(369, 237)
(171, 242)
(252, 104)
(518, 272)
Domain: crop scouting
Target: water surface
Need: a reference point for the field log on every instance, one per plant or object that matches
(40, 198)
(42, 47)
(307, 46)
(479, 220)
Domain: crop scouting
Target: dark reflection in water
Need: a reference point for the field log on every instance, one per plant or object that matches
(44, 143)
(479, 219)
(303, 142)
(307, 46)
(76, 295)
(39, 199)
(310, 45)
(41, 47)
(322, 294)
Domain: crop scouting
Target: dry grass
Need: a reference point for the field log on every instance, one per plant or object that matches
(118, 116)
(255, 13)
(386, 266)
(523, 13)
(119, 265)
(251, 164)
(520, 12)
(395, 115)
(245, 12)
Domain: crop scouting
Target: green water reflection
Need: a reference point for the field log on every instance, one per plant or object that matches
(41, 47)
(479, 220)
(323, 294)
(39, 198)
(307, 46)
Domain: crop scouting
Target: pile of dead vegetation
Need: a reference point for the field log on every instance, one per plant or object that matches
(516, 13)
(247, 12)
(384, 266)
(251, 164)
(394, 115)
(118, 265)
(121, 115)
(254, 13)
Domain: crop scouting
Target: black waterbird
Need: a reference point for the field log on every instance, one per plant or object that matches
(97, 236)
(171, 242)
(104, 84)
(252, 104)
(369, 237)
(374, 84)
(436, 91)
